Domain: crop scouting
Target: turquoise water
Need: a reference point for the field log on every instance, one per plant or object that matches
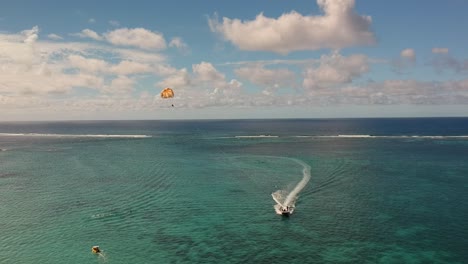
(391, 191)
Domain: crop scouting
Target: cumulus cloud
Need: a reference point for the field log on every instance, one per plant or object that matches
(130, 67)
(164, 69)
(340, 26)
(206, 72)
(177, 43)
(19, 49)
(409, 54)
(51, 76)
(136, 37)
(54, 37)
(440, 50)
(415, 92)
(30, 35)
(88, 33)
(406, 61)
(443, 61)
(51, 82)
(139, 55)
(87, 64)
(120, 85)
(34, 69)
(269, 79)
(335, 69)
(180, 79)
(390, 92)
(92, 65)
(206, 75)
(205, 86)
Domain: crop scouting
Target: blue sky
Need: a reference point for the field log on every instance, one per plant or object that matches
(63, 60)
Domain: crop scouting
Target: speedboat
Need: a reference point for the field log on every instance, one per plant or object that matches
(284, 210)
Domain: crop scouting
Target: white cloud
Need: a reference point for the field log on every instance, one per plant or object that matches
(20, 48)
(124, 67)
(418, 92)
(88, 33)
(120, 85)
(335, 69)
(29, 66)
(136, 37)
(205, 75)
(68, 67)
(44, 82)
(82, 77)
(177, 43)
(339, 27)
(130, 67)
(30, 35)
(270, 62)
(54, 37)
(180, 79)
(91, 20)
(406, 61)
(205, 71)
(140, 56)
(443, 61)
(205, 87)
(440, 50)
(267, 78)
(87, 64)
(164, 69)
(408, 54)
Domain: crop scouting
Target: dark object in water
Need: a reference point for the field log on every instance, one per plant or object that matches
(286, 211)
(96, 250)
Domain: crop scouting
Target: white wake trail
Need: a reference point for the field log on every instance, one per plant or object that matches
(305, 179)
(285, 199)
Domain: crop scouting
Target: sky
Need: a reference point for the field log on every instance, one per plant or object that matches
(96, 60)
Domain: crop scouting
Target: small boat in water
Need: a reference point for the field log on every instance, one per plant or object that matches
(96, 250)
(284, 210)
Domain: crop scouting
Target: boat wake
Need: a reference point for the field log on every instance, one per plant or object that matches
(285, 201)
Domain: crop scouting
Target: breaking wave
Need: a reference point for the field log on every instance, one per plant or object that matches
(71, 135)
(356, 136)
(400, 136)
(257, 136)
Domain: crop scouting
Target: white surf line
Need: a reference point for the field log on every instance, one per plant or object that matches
(352, 136)
(72, 135)
(305, 179)
(257, 136)
(389, 137)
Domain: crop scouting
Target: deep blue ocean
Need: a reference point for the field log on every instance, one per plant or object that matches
(200, 191)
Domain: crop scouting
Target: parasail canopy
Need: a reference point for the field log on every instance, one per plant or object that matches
(167, 93)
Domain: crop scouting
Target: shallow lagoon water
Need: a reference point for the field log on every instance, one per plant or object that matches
(200, 191)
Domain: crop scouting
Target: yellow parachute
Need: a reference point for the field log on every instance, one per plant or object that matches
(167, 93)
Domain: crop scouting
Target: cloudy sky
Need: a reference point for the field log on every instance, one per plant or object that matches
(68, 60)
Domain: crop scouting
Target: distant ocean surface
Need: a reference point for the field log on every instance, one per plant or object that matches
(375, 191)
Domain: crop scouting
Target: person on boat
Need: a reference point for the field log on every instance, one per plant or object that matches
(96, 250)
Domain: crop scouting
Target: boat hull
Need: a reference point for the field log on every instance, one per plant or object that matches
(284, 211)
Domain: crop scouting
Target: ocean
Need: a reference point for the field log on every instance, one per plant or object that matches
(200, 191)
